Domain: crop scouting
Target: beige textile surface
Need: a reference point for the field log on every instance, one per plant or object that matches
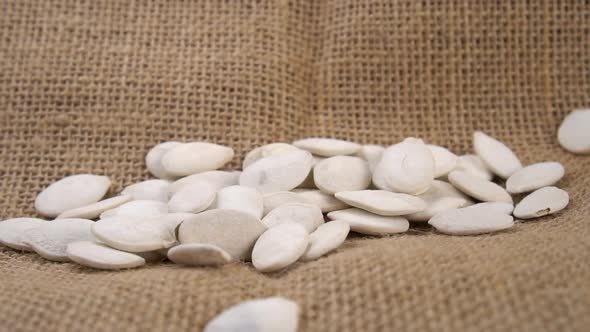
(90, 86)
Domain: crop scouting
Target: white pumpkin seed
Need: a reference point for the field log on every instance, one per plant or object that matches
(281, 172)
(406, 167)
(151, 190)
(382, 202)
(240, 198)
(327, 147)
(12, 232)
(276, 199)
(266, 151)
(326, 238)
(153, 160)
(364, 222)
(71, 192)
(233, 231)
(444, 160)
(139, 235)
(51, 239)
(192, 198)
(326, 202)
(279, 247)
(573, 134)
(308, 215)
(474, 165)
(99, 256)
(198, 254)
(94, 210)
(471, 221)
(544, 201)
(479, 188)
(534, 177)
(136, 209)
(341, 173)
(496, 155)
(196, 157)
(271, 314)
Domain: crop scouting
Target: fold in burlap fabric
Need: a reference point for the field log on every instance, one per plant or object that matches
(90, 86)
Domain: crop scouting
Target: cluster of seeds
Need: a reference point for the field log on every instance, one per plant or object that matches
(274, 212)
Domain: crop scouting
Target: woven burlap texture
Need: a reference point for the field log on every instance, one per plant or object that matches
(90, 86)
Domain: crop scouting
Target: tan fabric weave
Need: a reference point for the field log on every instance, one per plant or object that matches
(90, 86)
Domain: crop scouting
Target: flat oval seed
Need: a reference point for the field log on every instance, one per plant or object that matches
(274, 200)
(326, 238)
(407, 167)
(534, 177)
(341, 173)
(266, 151)
(240, 198)
(326, 202)
(12, 232)
(233, 231)
(218, 179)
(497, 156)
(51, 239)
(364, 222)
(151, 190)
(135, 235)
(382, 202)
(479, 188)
(474, 165)
(196, 157)
(542, 202)
(198, 254)
(471, 221)
(573, 134)
(505, 208)
(101, 257)
(137, 209)
(371, 154)
(444, 160)
(271, 314)
(277, 173)
(71, 192)
(279, 247)
(153, 160)
(308, 215)
(193, 198)
(327, 147)
(94, 210)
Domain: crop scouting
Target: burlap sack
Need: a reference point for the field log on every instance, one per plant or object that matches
(91, 86)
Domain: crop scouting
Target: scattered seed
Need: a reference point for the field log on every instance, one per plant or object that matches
(534, 177)
(573, 134)
(544, 201)
(100, 256)
(279, 247)
(70, 193)
(262, 315)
